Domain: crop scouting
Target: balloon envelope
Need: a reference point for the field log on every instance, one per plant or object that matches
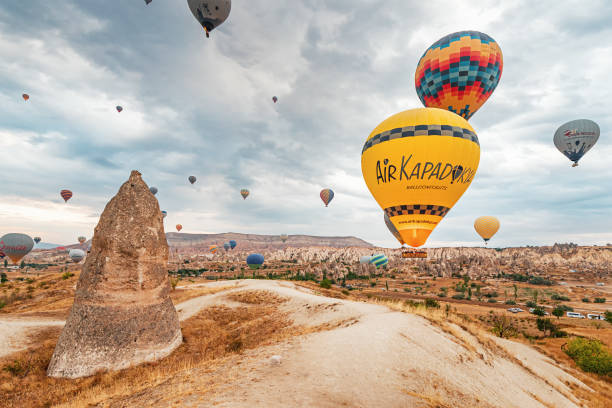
(210, 13)
(244, 193)
(179, 227)
(365, 259)
(82, 239)
(274, 99)
(164, 213)
(232, 244)
(417, 164)
(255, 261)
(37, 239)
(284, 237)
(576, 137)
(16, 246)
(192, 179)
(486, 227)
(76, 255)
(213, 248)
(226, 246)
(153, 190)
(326, 195)
(66, 195)
(379, 260)
(119, 108)
(459, 72)
(25, 97)
(392, 229)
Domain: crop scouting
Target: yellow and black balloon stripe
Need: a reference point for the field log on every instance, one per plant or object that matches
(417, 164)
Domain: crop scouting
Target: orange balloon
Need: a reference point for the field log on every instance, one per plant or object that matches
(179, 227)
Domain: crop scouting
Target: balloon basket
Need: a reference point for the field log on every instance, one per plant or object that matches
(414, 253)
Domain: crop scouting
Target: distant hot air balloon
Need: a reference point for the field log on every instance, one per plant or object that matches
(226, 246)
(575, 138)
(148, 1)
(379, 260)
(392, 229)
(164, 213)
(326, 195)
(365, 259)
(232, 243)
(119, 108)
(82, 240)
(459, 72)
(255, 261)
(37, 239)
(274, 99)
(66, 195)
(213, 248)
(61, 248)
(153, 190)
(284, 237)
(179, 227)
(244, 193)
(76, 255)
(2, 254)
(16, 246)
(192, 179)
(210, 13)
(486, 227)
(25, 97)
(417, 164)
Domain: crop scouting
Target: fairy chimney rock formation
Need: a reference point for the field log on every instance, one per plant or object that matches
(122, 313)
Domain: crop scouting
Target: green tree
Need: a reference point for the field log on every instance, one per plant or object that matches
(387, 285)
(608, 315)
(558, 311)
(5, 263)
(515, 291)
(535, 296)
(545, 326)
(22, 265)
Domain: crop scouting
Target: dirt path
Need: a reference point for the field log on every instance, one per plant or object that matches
(14, 331)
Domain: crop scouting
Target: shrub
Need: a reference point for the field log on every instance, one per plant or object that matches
(510, 302)
(326, 284)
(585, 300)
(590, 355)
(599, 300)
(67, 275)
(406, 289)
(432, 303)
(503, 326)
(545, 325)
(491, 301)
(531, 303)
(539, 311)
(441, 294)
(174, 282)
(345, 292)
(459, 296)
(608, 316)
(3, 277)
(372, 284)
(556, 296)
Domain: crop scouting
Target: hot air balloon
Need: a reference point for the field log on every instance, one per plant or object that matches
(379, 260)
(392, 229)
(76, 255)
(60, 248)
(37, 239)
(459, 72)
(417, 164)
(210, 13)
(232, 244)
(2, 254)
(148, 1)
(284, 237)
(486, 227)
(213, 248)
(16, 246)
(119, 108)
(274, 99)
(153, 190)
(575, 138)
(255, 261)
(326, 195)
(66, 195)
(164, 213)
(226, 246)
(192, 179)
(244, 193)
(25, 97)
(179, 227)
(82, 240)
(365, 259)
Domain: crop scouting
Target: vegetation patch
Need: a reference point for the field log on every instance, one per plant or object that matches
(590, 355)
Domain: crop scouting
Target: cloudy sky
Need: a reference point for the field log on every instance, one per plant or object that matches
(339, 67)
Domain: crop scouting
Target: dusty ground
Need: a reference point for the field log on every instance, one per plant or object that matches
(348, 353)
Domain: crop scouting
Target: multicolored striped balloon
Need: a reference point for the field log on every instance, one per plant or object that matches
(326, 195)
(213, 248)
(379, 260)
(244, 193)
(16, 246)
(66, 195)
(119, 108)
(459, 72)
(164, 213)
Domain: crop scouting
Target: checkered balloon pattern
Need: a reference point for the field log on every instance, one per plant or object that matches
(459, 72)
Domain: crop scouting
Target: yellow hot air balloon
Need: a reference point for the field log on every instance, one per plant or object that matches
(486, 227)
(417, 164)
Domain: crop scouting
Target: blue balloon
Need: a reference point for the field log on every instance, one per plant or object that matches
(255, 261)
(232, 244)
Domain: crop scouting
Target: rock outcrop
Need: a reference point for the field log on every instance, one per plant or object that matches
(122, 313)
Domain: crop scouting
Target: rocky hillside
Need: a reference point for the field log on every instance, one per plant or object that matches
(256, 241)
